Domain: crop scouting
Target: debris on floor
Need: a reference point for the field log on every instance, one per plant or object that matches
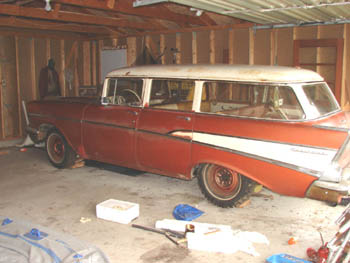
(214, 238)
(78, 163)
(284, 258)
(337, 250)
(26, 242)
(117, 211)
(186, 212)
(85, 220)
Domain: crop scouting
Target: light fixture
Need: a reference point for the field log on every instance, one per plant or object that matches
(198, 11)
(47, 6)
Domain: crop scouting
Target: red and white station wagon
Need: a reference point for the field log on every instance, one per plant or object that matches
(232, 127)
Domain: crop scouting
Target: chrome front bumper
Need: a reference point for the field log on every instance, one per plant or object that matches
(328, 191)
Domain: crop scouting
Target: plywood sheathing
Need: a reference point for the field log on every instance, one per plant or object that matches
(284, 47)
(203, 47)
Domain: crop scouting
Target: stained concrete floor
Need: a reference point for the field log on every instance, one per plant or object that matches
(33, 190)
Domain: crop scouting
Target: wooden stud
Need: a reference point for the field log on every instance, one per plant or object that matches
(86, 63)
(63, 67)
(212, 47)
(32, 63)
(48, 49)
(273, 41)
(19, 102)
(131, 50)
(2, 113)
(231, 40)
(100, 47)
(194, 48)
(76, 74)
(94, 65)
(178, 48)
(251, 46)
(345, 92)
(162, 48)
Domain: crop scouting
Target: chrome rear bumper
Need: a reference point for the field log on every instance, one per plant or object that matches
(328, 191)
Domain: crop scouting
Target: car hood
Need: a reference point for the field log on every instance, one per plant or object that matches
(340, 120)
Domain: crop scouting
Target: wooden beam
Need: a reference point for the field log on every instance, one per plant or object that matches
(76, 74)
(126, 7)
(63, 68)
(192, 29)
(94, 65)
(162, 48)
(131, 50)
(32, 65)
(178, 48)
(48, 49)
(80, 18)
(87, 63)
(212, 47)
(273, 51)
(19, 96)
(251, 46)
(47, 25)
(37, 34)
(194, 48)
(231, 41)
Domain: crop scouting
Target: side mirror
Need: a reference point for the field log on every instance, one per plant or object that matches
(104, 101)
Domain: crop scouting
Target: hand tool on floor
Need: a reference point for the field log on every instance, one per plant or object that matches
(169, 234)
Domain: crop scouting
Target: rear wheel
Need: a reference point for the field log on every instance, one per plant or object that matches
(224, 187)
(60, 154)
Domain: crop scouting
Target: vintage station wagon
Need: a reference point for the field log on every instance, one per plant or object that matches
(232, 127)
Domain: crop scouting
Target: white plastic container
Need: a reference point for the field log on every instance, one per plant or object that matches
(117, 211)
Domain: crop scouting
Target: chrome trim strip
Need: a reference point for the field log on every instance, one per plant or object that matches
(332, 128)
(259, 158)
(342, 149)
(53, 117)
(108, 125)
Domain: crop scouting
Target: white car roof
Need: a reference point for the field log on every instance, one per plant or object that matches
(246, 73)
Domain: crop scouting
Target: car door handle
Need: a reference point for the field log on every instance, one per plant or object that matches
(133, 112)
(186, 118)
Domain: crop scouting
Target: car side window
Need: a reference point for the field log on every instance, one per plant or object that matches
(124, 91)
(172, 94)
(248, 100)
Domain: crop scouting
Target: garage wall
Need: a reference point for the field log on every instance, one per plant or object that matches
(22, 58)
(261, 47)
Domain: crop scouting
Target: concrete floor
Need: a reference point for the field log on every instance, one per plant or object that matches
(33, 190)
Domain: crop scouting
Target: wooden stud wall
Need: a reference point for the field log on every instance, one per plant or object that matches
(25, 57)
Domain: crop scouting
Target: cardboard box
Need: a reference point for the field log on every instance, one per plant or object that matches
(117, 211)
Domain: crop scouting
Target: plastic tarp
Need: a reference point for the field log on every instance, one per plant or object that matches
(22, 241)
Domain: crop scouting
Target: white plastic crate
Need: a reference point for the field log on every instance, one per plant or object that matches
(117, 211)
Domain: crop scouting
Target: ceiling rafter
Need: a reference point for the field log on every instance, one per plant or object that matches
(46, 25)
(31, 12)
(126, 7)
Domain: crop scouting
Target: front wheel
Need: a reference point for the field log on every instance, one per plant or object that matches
(60, 154)
(224, 187)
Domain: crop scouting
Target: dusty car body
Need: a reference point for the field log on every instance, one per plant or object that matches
(231, 126)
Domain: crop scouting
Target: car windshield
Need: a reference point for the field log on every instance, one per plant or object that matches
(321, 99)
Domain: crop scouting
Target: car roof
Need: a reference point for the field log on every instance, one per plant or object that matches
(246, 73)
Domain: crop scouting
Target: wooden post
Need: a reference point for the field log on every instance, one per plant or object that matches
(131, 50)
(251, 46)
(273, 41)
(76, 74)
(48, 50)
(212, 47)
(231, 40)
(100, 47)
(178, 48)
(87, 63)
(162, 48)
(94, 65)
(345, 91)
(63, 67)
(19, 102)
(194, 48)
(32, 65)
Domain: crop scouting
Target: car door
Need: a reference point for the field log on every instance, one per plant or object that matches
(164, 128)
(109, 130)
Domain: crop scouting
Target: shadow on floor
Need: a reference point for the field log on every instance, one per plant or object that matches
(113, 168)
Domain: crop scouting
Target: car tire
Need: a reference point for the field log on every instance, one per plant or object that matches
(224, 187)
(59, 152)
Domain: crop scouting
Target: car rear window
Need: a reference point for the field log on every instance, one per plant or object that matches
(248, 100)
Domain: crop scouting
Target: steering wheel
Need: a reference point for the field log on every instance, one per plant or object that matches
(134, 94)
